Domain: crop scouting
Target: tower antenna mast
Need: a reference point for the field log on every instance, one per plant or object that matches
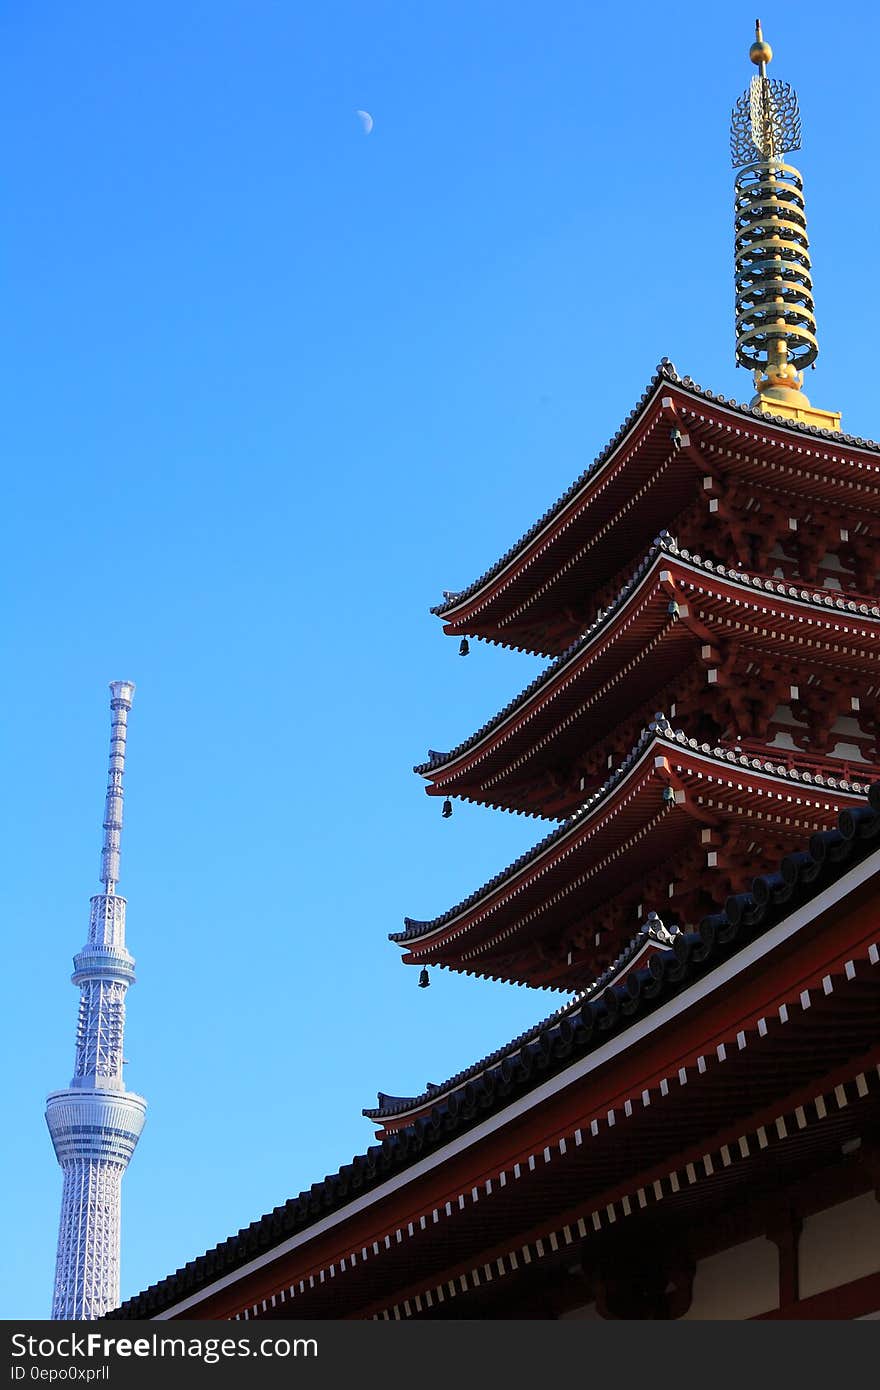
(96, 1123)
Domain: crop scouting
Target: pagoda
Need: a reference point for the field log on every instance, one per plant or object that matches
(695, 1131)
(708, 590)
(713, 706)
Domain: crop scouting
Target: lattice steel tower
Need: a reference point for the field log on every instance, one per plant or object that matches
(96, 1123)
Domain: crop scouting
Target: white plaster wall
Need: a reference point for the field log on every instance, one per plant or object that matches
(849, 752)
(830, 561)
(737, 1283)
(840, 1244)
(784, 740)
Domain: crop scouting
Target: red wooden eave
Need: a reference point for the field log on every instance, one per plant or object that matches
(534, 597)
(672, 797)
(680, 614)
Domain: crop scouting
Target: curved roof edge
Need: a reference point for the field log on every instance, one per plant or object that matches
(665, 372)
(660, 730)
(652, 930)
(664, 544)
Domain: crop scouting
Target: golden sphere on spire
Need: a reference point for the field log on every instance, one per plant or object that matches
(760, 51)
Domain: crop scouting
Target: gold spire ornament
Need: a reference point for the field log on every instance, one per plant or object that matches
(775, 323)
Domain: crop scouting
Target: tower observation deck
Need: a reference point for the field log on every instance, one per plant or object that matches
(96, 1123)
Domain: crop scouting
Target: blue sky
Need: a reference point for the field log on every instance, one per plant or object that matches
(271, 385)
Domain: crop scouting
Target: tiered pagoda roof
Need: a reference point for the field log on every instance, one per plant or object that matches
(680, 623)
(678, 825)
(685, 459)
(756, 629)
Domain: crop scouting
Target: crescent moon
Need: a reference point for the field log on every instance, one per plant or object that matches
(366, 121)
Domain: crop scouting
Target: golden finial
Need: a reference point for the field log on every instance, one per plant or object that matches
(775, 323)
(760, 51)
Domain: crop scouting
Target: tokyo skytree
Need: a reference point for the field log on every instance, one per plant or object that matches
(95, 1124)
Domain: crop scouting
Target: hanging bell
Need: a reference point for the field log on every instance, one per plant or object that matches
(675, 436)
(464, 647)
(424, 981)
(447, 809)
